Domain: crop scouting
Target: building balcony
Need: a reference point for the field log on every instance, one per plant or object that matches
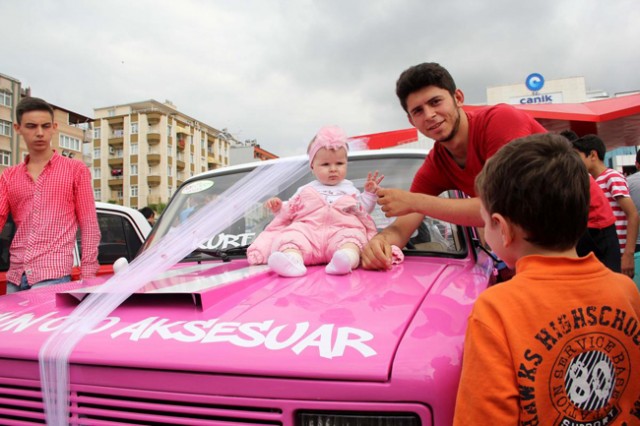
(116, 140)
(153, 159)
(153, 117)
(153, 138)
(153, 180)
(116, 161)
(116, 183)
(180, 164)
(116, 120)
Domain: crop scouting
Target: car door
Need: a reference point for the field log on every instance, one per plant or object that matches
(122, 235)
(119, 237)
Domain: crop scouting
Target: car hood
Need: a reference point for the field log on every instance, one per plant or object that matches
(233, 318)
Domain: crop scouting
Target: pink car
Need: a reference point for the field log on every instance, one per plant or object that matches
(214, 340)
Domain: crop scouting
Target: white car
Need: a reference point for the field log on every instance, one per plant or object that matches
(123, 230)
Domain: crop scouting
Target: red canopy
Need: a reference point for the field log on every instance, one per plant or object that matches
(615, 120)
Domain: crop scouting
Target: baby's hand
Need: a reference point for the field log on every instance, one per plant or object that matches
(373, 182)
(274, 204)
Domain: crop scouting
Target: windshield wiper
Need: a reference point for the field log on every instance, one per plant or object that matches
(223, 254)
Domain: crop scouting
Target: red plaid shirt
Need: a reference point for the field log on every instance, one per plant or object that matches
(47, 214)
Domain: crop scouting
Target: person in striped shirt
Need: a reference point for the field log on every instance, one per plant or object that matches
(614, 185)
(49, 196)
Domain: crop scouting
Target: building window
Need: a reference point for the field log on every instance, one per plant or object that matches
(5, 158)
(96, 172)
(6, 99)
(119, 194)
(69, 142)
(134, 171)
(134, 128)
(5, 128)
(169, 130)
(192, 158)
(96, 153)
(97, 194)
(96, 133)
(168, 170)
(134, 190)
(133, 148)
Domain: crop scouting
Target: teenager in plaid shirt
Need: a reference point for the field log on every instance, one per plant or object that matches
(49, 196)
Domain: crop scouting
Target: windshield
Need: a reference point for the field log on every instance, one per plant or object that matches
(434, 237)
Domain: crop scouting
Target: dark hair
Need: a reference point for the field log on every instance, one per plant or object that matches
(589, 143)
(147, 212)
(638, 157)
(540, 184)
(420, 76)
(31, 103)
(569, 134)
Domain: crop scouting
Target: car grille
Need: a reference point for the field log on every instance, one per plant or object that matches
(21, 404)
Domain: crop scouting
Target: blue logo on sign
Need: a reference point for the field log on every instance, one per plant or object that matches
(534, 82)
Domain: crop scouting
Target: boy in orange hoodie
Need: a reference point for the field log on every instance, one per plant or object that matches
(558, 344)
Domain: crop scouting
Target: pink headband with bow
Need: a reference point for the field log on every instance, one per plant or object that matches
(331, 137)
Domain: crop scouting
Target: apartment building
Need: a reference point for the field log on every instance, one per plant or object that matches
(73, 129)
(143, 151)
(247, 152)
(10, 90)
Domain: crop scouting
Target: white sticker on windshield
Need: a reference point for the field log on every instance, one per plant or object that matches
(199, 186)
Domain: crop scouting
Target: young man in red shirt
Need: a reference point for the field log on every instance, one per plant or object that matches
(48, 196)
(464, 141)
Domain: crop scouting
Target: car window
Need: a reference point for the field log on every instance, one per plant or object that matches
(433, 236)
(6, 236)
(118, 238)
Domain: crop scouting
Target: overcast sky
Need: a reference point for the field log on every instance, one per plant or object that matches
(276, 71)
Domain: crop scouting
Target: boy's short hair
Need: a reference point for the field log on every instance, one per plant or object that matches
(540, 184)
(31, 103)
(638, 157)
(423, 75)
(147, 212)
(588, 143)
(569, 134)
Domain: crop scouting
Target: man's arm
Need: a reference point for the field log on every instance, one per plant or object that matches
(4, 201)
(628, 260)
(377, 253)
(88, 223)
(465, 211)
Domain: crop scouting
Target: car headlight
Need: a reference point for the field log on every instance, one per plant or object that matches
(357, 419)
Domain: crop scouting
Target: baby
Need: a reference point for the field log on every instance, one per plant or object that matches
(326, 221)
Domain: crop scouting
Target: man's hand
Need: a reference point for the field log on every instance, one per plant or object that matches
(274, 204)
(396, 202)
(628, 264)
(377, 254)
(373, 182)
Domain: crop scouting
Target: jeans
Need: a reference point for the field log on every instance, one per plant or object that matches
(14, 288)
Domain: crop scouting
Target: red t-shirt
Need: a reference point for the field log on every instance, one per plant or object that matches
(489, 129)
(600, 212)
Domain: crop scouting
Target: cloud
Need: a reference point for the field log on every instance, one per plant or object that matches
(277, 71)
